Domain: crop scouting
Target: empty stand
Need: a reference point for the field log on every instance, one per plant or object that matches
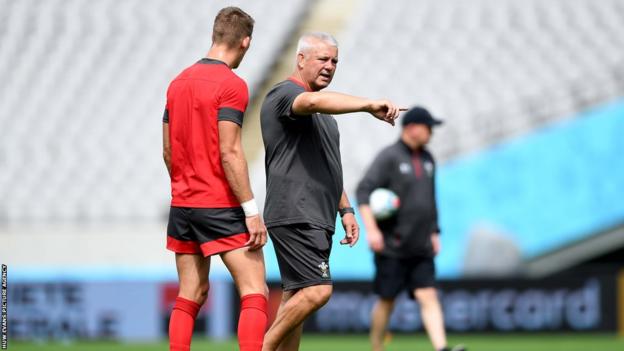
(491, 69)
(83, 92)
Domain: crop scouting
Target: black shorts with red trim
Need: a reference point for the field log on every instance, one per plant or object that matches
(206, 231)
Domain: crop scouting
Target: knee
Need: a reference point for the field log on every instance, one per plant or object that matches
(318, 295)
(386, 303)
(196, 292)
(202, 293)
(426, 295)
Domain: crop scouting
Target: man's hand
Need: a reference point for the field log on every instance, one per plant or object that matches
(257, 232)
(384, 110)
(351, 228)
(375, 239)
(435, 243)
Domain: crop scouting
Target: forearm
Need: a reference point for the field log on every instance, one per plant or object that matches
(329, 103)
(166, 147)
(237, 174)
(167, 158)
(368, 218)
(344, 201)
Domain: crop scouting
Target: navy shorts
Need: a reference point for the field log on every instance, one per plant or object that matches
(392, 275)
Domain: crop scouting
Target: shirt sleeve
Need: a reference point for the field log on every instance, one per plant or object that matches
(233, 102)
(377, 176)
(165, 118)
(287, 95)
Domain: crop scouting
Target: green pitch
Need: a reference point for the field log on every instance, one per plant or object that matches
(516, 342)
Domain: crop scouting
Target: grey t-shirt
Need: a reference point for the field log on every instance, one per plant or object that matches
(303, 167)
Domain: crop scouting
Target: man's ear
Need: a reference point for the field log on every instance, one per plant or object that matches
(246, 42)
(300, 59)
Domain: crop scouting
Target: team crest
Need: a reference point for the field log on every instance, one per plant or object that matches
(405, 168)
(428, 166)
(324, 269)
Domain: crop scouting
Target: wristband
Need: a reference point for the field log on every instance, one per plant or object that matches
(250, 208)
(343, 211)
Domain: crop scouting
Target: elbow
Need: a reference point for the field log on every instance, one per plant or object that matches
(309, 103)
(167, 156)
(228, 154)
(312, 103)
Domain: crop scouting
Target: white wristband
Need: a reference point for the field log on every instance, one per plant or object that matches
(250, 208)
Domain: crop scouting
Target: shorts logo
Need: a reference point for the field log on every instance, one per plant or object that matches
(324, 269)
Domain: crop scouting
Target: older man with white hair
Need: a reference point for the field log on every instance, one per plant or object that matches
(304, 181)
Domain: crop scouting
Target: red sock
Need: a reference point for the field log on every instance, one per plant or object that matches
(181, 324)
(252, 322)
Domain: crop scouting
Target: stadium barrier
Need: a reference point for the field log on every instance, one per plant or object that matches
(139, 310)
(112, 310)
(554, 305)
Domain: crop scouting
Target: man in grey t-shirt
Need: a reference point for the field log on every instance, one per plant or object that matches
(304, 181)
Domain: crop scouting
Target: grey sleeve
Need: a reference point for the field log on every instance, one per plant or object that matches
(230, 114)
(287, 95)
(377, 176)
(436, 224)
(166, 116)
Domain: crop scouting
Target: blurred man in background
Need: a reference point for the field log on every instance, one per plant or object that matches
(405, 244)
(304, 181)
(213, 210)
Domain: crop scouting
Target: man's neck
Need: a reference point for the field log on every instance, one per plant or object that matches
(299, 77)
(223, 53)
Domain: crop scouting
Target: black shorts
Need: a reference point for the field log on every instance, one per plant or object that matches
(206, 231)
(395, 274)
(302, 255)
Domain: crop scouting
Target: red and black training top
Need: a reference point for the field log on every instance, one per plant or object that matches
(199, 97)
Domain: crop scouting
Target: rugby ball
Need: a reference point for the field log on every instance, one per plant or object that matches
(383, 203)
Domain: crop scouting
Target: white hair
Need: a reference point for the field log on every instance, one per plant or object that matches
(305, 43)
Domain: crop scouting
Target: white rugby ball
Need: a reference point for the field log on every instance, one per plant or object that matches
(384, 203)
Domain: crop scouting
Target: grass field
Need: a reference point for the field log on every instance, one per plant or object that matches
(541, 342)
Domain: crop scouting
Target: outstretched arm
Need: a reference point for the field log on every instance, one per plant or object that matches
(235, 168)
(337, 103)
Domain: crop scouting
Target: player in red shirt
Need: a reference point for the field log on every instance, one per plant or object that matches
(213, 210)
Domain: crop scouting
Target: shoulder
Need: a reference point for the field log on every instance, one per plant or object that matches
(391, 151)
(286, 87)
(388, 154)
(184, 74)
(232, 80)
(427, 154)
